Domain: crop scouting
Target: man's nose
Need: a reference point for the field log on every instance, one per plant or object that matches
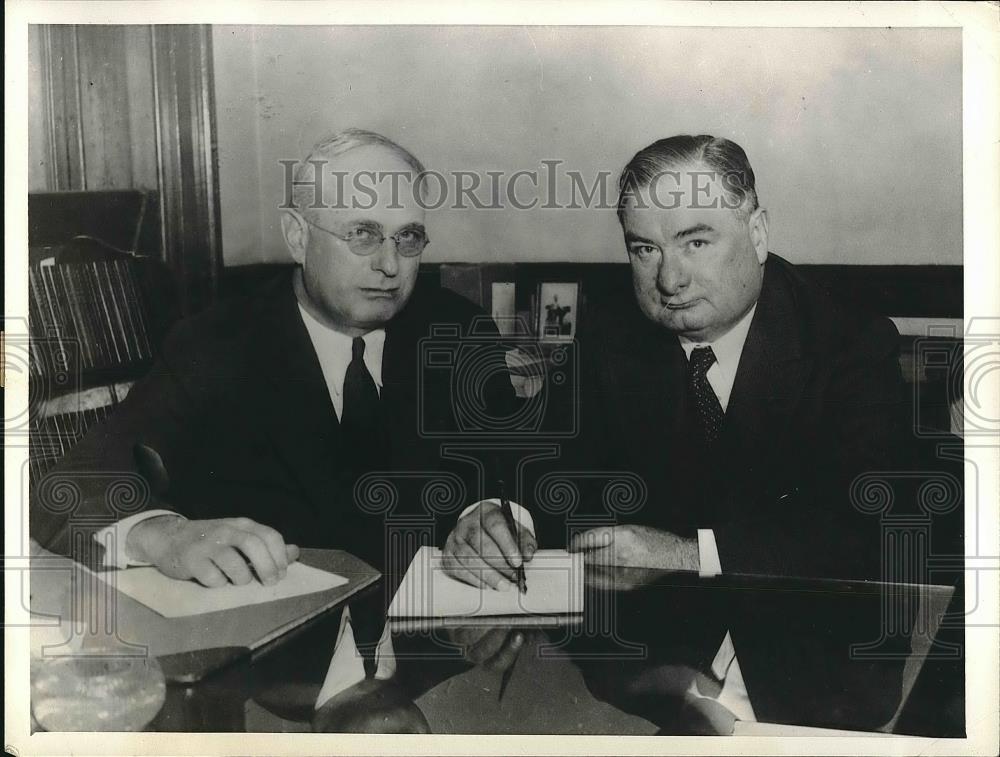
(671, 276)
(386, 258)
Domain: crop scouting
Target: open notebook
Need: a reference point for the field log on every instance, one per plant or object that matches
(554, 578)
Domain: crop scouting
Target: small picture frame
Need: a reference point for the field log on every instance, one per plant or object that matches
(558, 311)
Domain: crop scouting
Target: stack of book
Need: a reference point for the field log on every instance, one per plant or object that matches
(87, 319)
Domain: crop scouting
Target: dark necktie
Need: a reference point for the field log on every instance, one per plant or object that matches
(361, 417)
(706, 406)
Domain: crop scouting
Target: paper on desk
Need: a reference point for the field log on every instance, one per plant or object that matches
(174, 598)
(554, 578)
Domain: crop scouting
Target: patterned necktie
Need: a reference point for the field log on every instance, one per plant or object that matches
(707, 408)
(361, 417)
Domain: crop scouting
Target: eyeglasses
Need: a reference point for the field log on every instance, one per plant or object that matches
(367, 239)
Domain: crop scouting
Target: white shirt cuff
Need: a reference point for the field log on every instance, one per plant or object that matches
(521, 515)
(114, 537)
(708, 554)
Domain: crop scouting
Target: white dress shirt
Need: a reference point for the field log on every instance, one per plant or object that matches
(334, 352)
(728, 349)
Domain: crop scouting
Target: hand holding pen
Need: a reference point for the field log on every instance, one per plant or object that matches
(487, 549)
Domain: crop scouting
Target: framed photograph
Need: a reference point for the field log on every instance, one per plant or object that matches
(557, 311)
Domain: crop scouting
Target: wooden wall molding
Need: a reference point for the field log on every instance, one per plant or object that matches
(186, 152)
(132, 107)
(63, 138)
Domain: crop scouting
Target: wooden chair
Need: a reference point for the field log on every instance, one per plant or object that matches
(97, 311)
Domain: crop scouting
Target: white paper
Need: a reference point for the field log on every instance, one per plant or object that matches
(174, 598)
(554, 578)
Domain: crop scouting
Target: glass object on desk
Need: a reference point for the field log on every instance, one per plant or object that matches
(92, 693)
(85, 678)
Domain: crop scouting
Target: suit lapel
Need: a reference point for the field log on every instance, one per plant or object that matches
(398, 397)
(296, 408)
(674, 384)
(400, 364)
(771, 375)
(644, 375)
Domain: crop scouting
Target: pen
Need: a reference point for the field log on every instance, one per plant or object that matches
(522, 583)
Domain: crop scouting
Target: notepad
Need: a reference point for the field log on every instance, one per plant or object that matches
(554, 578)
(173, 598)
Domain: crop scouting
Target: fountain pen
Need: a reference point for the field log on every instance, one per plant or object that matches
(522, 583)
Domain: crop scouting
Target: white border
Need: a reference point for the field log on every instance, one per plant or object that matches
(981, 235)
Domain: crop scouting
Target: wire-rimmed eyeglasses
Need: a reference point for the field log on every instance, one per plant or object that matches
(366, 239)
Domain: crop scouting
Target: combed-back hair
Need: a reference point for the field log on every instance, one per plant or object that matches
(718, 154)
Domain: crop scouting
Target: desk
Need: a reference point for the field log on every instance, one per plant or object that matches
(622, 667)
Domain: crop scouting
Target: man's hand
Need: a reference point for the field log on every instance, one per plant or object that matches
(213, 552)
(481, 550)
(636, 546)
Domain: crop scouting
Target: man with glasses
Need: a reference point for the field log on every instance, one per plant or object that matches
(262, 415)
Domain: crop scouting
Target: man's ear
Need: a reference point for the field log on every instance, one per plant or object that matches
(296, 232)
(758, 233)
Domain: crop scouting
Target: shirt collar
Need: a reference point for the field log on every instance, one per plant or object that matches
(727, 348)
(334, 350)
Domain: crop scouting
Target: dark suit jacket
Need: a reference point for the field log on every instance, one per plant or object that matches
(817, 400)
(237, 410)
